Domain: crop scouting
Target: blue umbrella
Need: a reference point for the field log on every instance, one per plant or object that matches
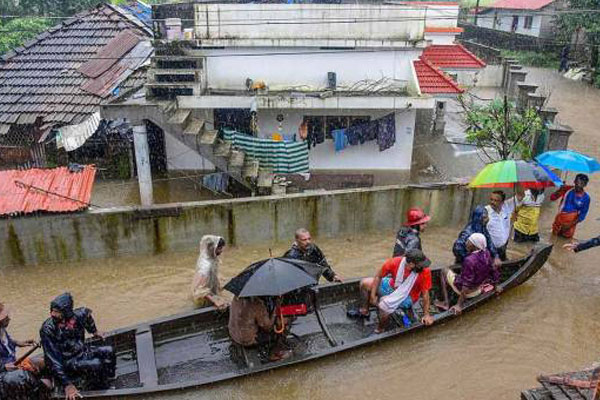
(568, 160)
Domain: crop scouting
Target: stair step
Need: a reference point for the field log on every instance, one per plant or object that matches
(265, 178)
(250, 169)
(180, 116)
(236, 159)
(209, 137)
(194, 127)
(223, 149)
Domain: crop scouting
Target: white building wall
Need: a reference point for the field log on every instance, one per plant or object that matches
(181, 157)
(353, 158)
(440, 39)
(306, 72)
(505, 18)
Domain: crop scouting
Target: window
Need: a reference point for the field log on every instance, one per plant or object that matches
(528, 22)
(515, 23)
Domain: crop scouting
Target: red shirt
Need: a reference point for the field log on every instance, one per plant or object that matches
(422, 283)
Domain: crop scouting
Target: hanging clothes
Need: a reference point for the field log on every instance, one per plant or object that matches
(355, 135)
(216, 182)
(370, 130)
(340, 140)
(386, 132)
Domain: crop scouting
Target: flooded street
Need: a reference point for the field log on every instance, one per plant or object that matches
(548, 324)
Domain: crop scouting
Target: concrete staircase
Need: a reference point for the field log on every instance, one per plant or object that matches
(173, 76)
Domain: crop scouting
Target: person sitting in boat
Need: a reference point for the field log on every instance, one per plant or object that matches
(19, 380)
(574, 206)
(576, 247)
(477, 274)
(304, 249)
(400, 282)
(206, 288)
(67, 355)
(251, 324)
(408, 236)
(477, 224)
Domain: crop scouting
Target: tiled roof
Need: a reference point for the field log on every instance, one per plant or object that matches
(41, 82)
(521, 4)
(50, 190)
(452, 56)
(436, 29)
(432, 80)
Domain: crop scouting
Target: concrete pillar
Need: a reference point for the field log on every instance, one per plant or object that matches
(507, 63)
(559, 136)
(548, 114)
(536, 101)
(142, 160)
(516, 76)
(523, 90)
(439, 123)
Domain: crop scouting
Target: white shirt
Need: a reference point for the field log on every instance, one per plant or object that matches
(499, 223)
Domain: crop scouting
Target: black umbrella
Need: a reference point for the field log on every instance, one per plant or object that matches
(274, 277)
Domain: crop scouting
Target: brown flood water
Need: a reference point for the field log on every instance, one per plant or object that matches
(548, 324)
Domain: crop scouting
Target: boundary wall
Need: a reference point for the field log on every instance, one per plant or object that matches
(30, 240)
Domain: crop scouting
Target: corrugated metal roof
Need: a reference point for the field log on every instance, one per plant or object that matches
(452, 56)
(50, 190)
(108, 55)
(521, 4)
(434, 81)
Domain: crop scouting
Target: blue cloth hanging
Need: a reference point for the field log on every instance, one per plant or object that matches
(340, 141)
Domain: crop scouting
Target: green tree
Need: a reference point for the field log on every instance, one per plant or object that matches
(15, 32)
(587, 21)
(499, 130)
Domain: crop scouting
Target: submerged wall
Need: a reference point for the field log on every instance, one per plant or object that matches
(178, 227)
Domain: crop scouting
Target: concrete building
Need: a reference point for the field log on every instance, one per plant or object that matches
(298, 72)
(526, 17)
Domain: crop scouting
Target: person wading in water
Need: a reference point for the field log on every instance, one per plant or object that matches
(206, 288)
(304, 249)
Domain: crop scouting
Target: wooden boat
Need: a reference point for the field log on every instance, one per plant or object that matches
(194, 349)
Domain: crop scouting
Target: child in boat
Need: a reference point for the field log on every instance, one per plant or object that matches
(206, 288)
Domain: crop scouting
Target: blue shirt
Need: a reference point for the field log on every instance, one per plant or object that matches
(574, 203)
(8, 351)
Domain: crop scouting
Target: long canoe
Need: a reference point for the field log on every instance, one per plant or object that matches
(194, 349)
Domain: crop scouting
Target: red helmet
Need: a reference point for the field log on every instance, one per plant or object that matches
(416, 216)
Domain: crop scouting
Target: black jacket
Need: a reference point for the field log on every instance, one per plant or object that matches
(314, 255)
(66, 340)
(588, 244)
(407, 239)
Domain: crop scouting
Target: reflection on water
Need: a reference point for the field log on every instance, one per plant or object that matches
(548, 324)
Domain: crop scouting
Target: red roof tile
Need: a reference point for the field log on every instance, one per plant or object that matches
(434, 81)
(452, 56)
(20, 194)
(435, 29)
(521, 4)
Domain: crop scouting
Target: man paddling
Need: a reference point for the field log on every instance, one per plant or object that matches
(304, 249)
(67, 354)
(18, 380)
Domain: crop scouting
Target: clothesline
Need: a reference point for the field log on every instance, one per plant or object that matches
(382, 129)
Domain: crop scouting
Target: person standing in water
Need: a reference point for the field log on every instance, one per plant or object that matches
(206, 288)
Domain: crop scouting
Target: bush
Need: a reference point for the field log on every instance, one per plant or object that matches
(534, 59)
